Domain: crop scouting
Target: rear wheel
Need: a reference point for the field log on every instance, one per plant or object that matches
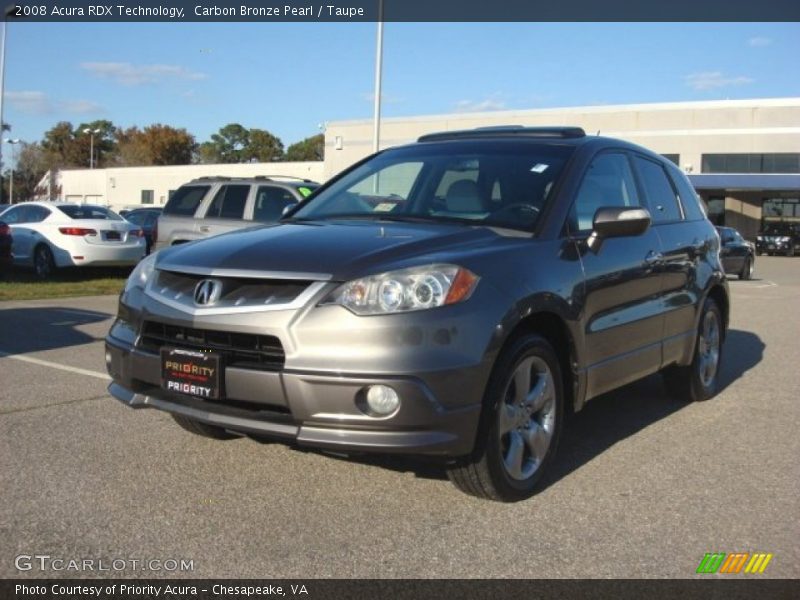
(43, 263)
(521, 426)
(790, 250)
(698, 381)
(203, 429)
(747, 269)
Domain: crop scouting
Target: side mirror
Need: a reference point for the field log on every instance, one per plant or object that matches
(617, 221)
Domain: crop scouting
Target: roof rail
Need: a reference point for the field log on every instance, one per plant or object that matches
(272, 177)
(209, 177)
(506, 130)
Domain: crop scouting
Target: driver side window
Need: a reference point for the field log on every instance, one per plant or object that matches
(608, 182)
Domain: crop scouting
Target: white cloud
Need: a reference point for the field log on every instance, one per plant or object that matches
(129, 74)
(38, 103)
(493, 102)
(81, 107)
(34, 103)
(759, 41)
(710, 80)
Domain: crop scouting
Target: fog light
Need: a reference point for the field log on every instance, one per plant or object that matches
(382, 400)
(108, 359)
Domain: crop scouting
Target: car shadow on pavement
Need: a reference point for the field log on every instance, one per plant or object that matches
(24, 330)
(605, 420)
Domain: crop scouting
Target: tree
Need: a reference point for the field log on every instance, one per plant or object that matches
(235, 144)
(31, 165)
(262, 146)
(226, 145)
(311, 148)
(71, 147)
(155, 145)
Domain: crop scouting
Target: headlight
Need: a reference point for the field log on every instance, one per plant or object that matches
(405, 290)
(760, 238)
(783, 239)
(141, 273)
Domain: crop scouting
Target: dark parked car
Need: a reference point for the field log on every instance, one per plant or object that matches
(737, 254)
(507, 277)
(778, 238)
(147, 220)
(6, 241)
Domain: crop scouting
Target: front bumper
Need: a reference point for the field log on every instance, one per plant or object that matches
(311, 408)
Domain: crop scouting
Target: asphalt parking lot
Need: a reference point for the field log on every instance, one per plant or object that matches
(644, 485)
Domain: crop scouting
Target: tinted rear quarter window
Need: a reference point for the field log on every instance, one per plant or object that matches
(661, 198)
(184, 201)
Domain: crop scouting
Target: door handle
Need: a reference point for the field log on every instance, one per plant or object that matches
(653, 258)
(205, 228)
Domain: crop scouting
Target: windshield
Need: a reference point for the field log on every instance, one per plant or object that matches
(779, 229)
(87, 211)
(502, 184)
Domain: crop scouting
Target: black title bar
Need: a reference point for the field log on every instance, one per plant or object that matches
(308, 11)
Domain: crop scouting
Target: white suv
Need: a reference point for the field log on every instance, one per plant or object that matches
(212, 205)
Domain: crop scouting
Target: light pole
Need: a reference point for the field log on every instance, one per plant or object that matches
(13, 142)
(4, 30)
(91, 133)
(376, 129)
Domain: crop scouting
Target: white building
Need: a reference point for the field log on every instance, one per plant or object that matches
(127, 187)
(743, 156)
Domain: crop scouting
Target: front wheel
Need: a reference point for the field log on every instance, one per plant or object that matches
(699, 380)
(521, 424)
(790, 250)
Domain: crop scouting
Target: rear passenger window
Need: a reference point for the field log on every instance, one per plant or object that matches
(185, 201)
(229, 202)
(271, 202)
(608, 182)
(661, 198)
(692, 205)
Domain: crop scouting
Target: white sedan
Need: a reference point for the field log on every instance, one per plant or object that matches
(48, 235)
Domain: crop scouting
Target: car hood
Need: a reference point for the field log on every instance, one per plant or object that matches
(327, 250)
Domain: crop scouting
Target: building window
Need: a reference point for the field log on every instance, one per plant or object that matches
(674, 158)
(781, 208)
(716, 210)
(147, 196)
(787, 162)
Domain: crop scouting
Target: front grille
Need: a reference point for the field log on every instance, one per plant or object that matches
(236, 292)
(240, 350)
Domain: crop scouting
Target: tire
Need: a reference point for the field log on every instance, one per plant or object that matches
(790, 250)
(747, 269)
(203, 429)
(44, 265)
(519, 431)
(699, 380)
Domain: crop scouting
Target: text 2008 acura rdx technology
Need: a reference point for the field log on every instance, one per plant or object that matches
(455, 297)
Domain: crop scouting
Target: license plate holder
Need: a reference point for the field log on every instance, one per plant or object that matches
(192, 373)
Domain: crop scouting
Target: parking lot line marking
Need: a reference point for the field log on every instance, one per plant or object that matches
(53, 365)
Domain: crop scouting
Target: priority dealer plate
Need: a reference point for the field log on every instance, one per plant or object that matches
(191, 373)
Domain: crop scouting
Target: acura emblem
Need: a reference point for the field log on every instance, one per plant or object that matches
(207, 292)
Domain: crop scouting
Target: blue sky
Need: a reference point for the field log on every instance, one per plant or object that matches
(289, 78)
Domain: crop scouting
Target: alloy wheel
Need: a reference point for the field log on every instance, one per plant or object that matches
(708, 348)
(527, 418)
